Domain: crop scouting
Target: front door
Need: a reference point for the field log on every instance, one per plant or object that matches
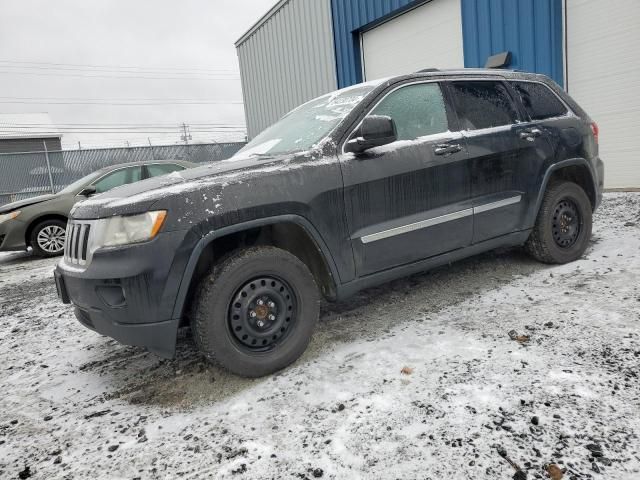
(409, 200)
(506, 155)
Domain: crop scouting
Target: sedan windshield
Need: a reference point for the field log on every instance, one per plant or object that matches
(305, 126)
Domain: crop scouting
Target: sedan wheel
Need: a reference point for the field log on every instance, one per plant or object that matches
(48, 237)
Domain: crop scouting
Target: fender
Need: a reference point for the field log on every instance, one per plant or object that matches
(185, 282)
(558, 166)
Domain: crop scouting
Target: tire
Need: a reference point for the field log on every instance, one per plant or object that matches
(231, 326)
(47, 238)
(563, 226)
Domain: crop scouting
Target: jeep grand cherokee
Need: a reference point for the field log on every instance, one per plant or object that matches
(350, 190)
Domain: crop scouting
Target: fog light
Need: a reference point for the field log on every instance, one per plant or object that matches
(112, 296)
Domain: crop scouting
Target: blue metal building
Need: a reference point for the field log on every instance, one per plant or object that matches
(530, 29)
(304, 48)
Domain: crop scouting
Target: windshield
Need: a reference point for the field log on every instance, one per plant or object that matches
(305, 126)
(78, 184)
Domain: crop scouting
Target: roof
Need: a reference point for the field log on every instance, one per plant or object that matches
(27, 125)
(261, 21)
(116, 166)
(479, 72)
(471, 71)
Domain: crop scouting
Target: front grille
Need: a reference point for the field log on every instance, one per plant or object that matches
(77, 243)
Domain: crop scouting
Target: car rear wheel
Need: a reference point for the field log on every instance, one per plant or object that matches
(47, 238)
(563, 227)
(256, 311)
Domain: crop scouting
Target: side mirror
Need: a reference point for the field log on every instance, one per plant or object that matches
(88, 191)
(376, 130)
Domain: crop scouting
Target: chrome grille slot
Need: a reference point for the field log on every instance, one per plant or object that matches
(77, 244)
(85, 242)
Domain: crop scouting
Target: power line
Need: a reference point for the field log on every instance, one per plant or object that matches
(120, 132)
(121, 124)
(161, 99)
(76, 128)
(49, 126)
(79, 75)
(116, 70)
(78, 66)
(117, 103)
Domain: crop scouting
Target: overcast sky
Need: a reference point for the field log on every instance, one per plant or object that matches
(125, 51)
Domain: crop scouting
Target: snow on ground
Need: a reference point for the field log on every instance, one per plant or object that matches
(74, 404)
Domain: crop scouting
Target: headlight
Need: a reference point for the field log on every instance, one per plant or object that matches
(9, 216)
(130, 229)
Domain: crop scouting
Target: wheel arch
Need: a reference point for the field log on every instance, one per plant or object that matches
(292, 233)
(576, 170)
(39, 219)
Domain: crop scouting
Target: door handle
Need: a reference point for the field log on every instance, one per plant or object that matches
(446, 149)
(526, 136)
(530, 134)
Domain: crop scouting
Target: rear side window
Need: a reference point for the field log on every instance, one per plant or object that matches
(539, 102)
(118, 178)
(417, 110)
(483, 104)
(158, 169)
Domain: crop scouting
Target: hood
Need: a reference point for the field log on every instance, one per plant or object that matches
(9, 207)
(140, 196)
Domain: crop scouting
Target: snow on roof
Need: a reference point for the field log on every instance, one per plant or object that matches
(27, 125)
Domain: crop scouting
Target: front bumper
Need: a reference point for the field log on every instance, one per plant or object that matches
(129, 293)
(12, 235)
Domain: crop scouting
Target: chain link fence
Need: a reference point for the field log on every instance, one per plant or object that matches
(25, 175)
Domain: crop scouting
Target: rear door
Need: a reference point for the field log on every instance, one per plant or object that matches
(409, 200)
(117, 178)
(506, 154)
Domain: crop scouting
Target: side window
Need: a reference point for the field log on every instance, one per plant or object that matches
(158, 169)
(539, 102)
(418, 110)
(117, 178)
(483, 104)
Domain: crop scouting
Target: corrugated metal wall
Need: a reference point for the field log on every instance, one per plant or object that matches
(530, 29)
(304, 48)
(19, 145)
(285, 60)
(349, 18)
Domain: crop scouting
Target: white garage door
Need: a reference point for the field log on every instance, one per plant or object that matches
(603, 73)
(429, 36)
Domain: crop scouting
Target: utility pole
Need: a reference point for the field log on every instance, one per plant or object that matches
(186, 134)
(46, 157)
(79, 146)
(153, 157)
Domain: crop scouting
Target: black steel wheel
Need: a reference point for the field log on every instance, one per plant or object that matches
(566, 223)
(255, 312)
(563, 225)
(262, 313)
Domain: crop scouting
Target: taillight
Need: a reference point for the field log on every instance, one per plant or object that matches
(595, 130)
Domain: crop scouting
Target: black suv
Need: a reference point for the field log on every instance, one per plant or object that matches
(350, 190)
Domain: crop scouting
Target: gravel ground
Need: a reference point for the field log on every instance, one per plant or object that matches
(475, 370)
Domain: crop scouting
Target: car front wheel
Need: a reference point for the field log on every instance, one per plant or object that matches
(256, 311)
(48, 237)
